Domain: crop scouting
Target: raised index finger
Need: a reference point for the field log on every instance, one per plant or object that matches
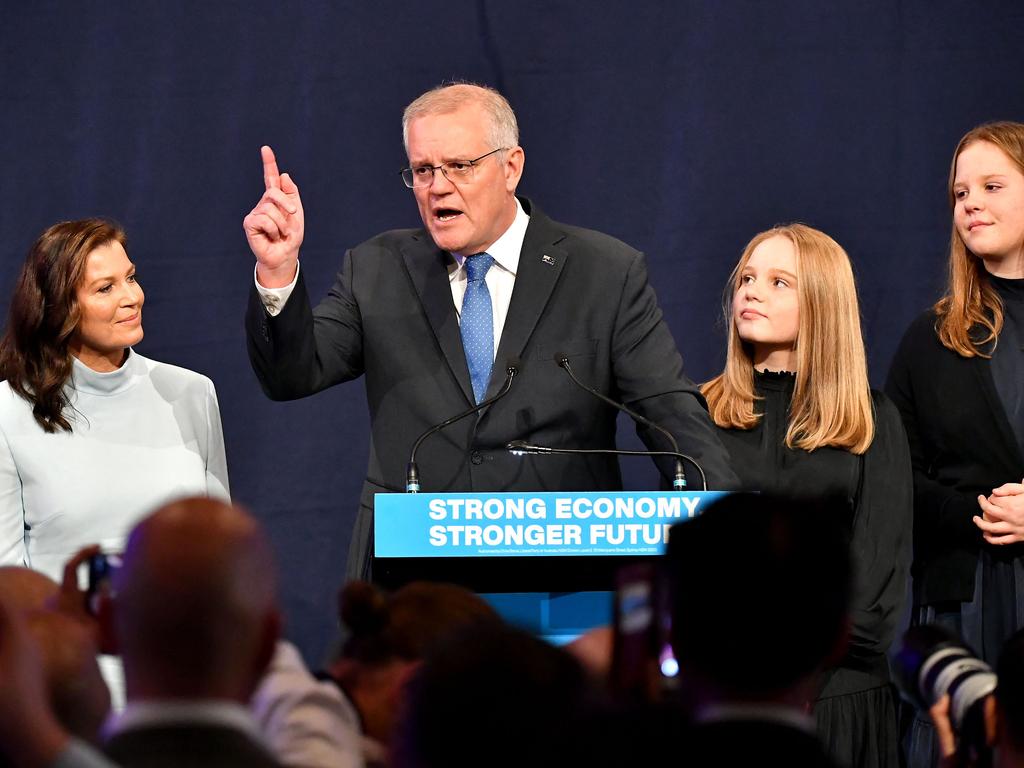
(271, 176)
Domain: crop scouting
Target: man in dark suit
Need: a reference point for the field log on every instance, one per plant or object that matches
(760, 606)
(197, 620)
(435, 317)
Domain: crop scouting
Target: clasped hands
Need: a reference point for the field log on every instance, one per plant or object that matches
(1002, 514)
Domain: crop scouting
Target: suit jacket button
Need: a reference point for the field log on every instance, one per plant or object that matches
(476, 458)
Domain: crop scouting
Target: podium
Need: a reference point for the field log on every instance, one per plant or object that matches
(546, 561)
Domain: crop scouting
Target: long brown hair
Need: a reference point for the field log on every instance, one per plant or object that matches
(970, 302)
(44, 313)
(832, 400)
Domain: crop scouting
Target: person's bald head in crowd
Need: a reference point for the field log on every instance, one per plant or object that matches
(196, 608)
(25, 589)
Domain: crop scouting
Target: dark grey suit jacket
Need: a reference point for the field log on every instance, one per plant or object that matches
(198, 745)
(742, 743)
(390, 317)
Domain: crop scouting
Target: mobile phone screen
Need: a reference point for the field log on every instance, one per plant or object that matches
(642, 658)
(102, 567)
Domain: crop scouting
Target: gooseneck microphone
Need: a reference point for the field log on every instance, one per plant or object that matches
(679, 480)
(523, 448)
(412, 472)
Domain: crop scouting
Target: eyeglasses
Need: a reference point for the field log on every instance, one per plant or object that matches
(456, 171)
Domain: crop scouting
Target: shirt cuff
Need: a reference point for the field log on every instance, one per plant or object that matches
(274, 298)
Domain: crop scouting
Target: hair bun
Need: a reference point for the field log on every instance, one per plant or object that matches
(362, 608)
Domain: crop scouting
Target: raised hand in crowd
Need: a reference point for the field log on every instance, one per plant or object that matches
(72, 601)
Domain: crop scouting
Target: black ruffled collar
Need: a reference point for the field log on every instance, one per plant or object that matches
(774, 380)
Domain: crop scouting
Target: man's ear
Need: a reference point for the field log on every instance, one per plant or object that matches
(269, 635)
(515, 159)
(409, 672)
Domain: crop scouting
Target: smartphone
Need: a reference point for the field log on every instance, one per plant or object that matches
(102, 567)
(643, 666)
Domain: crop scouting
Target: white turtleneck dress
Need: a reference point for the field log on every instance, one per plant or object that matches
(141, 435)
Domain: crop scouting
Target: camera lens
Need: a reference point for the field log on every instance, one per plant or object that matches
(956, 672)
(932, 662)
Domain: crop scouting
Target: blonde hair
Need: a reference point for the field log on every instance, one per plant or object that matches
(832, 400)
(449, 97)
(970, 300)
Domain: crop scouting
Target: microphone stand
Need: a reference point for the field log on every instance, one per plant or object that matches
(412, 472)
(679, 479)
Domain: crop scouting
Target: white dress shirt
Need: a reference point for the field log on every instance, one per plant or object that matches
(501, 277)
(305, 721)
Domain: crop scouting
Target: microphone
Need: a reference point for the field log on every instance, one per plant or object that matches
(523, 448)
(679, 480)
(412, 472)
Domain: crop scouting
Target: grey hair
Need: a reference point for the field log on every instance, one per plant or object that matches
(448, 97)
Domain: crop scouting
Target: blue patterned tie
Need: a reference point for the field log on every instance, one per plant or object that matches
(478, 324)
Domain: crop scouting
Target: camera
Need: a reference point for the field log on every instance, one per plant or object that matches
(932, 662)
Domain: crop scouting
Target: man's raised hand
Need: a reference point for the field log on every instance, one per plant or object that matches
(275, 227)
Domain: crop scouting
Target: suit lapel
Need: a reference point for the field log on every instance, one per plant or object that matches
(428, 269)
(540, 265)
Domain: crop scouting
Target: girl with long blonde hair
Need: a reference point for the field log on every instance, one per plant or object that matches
(798, 417)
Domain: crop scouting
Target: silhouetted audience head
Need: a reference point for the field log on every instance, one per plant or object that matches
(495, 696)
(65, 649)
(760, 594)
(594, 649)
(29, 732)
(388, 634)
(407, 623)
(195, 603)
(75, 687)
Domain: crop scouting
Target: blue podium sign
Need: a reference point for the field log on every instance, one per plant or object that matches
(414, 525)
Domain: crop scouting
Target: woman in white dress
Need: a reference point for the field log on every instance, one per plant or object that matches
(92, 435)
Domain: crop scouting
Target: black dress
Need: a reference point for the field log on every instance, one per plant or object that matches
(856, 708)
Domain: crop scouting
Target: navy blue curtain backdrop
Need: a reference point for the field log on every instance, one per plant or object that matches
(680, 127)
